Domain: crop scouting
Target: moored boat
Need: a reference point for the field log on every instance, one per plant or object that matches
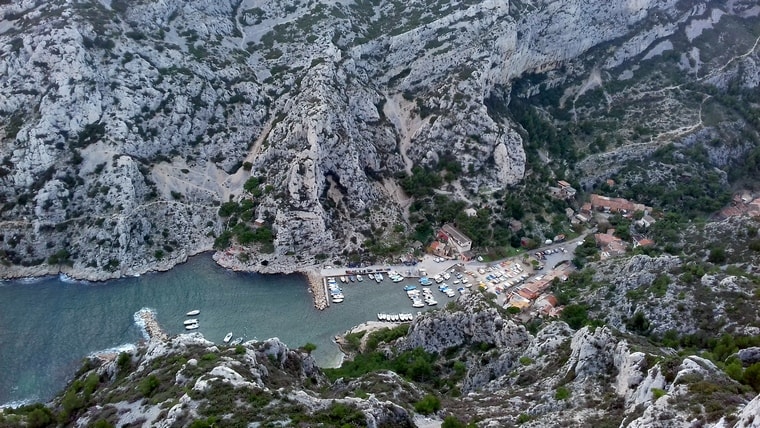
(192, 326)
(190, 321)
(228, 337)
(359, 278)
(193, 313)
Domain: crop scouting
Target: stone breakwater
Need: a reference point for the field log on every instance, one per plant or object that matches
(146, 318)
(317, 287)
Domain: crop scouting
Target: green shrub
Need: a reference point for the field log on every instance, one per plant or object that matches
(526, 361)
(429, 404)
(148, 385)
(660, 285)
(102, 423)
(657, 393)
(576, 316)
(452, 422)
(639, 323)
(562, 393)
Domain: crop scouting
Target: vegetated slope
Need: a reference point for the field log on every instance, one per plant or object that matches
(130, 129)
(467, 364)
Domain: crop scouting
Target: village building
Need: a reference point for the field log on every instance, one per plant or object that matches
(548, 305)
(609, 244)
(566, 190)
(617, 205)
(563, 190)
(583, 218)
(438, 248)
(467, 256)
(642, 242)
(518, 301)
(455, 237)
(646, 221)
(586, 209)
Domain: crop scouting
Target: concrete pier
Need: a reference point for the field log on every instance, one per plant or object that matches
(318, 287)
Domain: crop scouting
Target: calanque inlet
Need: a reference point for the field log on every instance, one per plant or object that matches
(585, 173)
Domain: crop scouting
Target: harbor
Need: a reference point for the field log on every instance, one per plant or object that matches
(42, 348)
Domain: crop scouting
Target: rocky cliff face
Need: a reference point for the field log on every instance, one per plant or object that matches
(683, 295)
(124, 125)
(187, 379)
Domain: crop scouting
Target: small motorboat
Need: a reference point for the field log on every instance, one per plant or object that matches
(193, 313)
(191, 321)
(192, 326)
(228, 337)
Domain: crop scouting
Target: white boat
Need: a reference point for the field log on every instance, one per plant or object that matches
(191, 326)
(191, 321)
(371, 276)
(359, 278)
(228, 337)
(418, 304)
(193, 313)
(343, 279)
(237, 341)
(337, 298)
(379, 277)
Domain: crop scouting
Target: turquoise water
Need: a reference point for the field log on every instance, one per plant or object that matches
(47, 326)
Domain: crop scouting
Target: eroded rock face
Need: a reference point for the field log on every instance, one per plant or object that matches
(125, 124)
(749, 356)
(474, 324)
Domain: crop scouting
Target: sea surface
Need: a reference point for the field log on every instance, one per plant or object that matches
(48, 325)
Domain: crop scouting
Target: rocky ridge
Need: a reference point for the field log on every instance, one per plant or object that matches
(126, 125)
(488, 370)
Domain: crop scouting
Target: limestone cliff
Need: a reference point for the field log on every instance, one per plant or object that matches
(125, 125)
